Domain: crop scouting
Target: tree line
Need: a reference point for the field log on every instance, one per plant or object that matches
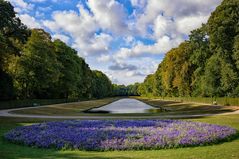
(129, 90)
(206, 65)
(32, 65)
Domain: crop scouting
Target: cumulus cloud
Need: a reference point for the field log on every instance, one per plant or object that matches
(109, 14)
(162, 45)
(134, 73)
(187, 24)
(106, 31)
(21, 5)
(38, 1)
(122, 66)
(175, 9)
(104, 58)
(29, 21)
(144, 65)
(62, 37)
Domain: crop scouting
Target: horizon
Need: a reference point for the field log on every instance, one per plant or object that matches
(131, 40)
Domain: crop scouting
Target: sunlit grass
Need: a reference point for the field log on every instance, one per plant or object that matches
(68, 109)
(228, 150)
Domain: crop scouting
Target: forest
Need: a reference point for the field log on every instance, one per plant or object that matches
(34, 66)
(206, 65)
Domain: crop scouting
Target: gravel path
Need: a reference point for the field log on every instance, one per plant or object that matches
(7, 113)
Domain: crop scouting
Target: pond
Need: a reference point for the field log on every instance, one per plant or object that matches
(123, 106)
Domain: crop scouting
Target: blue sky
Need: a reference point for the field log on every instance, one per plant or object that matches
(126, 39)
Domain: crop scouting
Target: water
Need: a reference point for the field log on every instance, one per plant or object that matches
(125, 106)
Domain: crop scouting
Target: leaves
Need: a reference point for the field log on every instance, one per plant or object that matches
(207, 64)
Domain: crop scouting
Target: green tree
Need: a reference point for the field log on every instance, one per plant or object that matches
(12, 35)
(37, 68)
(101, 86)
(212, 77)
(199, 42)
(71, 71)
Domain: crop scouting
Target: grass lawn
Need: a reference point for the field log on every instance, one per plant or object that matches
(68, 109)
(227, 150)
(180, 108)
(175, 108)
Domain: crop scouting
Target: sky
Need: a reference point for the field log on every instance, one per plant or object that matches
(125, 39)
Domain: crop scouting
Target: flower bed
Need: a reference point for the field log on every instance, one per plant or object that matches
(119, 134)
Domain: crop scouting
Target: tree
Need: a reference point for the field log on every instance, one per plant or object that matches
(71, 70)
(212, 77)
(199, 42)
(223, 27)
(12, 35)
(205, 65)
(101, 86)
(37, 68)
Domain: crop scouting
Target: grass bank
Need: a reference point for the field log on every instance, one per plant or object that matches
(224, 101)
(228, 150)
(32, 102)
(173, 107)
(67, 109)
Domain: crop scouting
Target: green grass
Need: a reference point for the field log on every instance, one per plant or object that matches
(67, 109)
(226, 150)
(220, 100)
(181, 108)
(32, 102)
(175, 108)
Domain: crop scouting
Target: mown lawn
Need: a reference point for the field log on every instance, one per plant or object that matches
(173, 107)
(67, 109)
(227, 150)
(181, 108)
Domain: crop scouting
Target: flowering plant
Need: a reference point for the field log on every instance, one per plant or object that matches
(119, 134)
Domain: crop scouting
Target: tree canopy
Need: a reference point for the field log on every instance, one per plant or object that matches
(32, 65)
(205, 65)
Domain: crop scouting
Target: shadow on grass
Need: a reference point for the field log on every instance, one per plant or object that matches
(180, 108)
(12, 151)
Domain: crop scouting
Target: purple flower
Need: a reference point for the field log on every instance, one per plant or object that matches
(119, 134)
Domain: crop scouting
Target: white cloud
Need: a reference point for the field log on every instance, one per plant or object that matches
(38, 1)
(51, 25)
(138, 3)
(21, 5)
(109, 14)
(104, 32)
(175, 9)
(144, 65)
(104, 58)
(163, 45)
(29, 21)
(187, 24)
(94, 45)
(163, 26)
(62, 37)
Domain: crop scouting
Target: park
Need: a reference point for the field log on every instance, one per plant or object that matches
(119, 79)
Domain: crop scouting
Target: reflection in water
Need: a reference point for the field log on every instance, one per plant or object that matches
(125, 106)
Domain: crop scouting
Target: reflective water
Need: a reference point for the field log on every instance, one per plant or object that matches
(125, 106)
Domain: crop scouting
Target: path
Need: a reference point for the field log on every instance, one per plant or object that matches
(7, 113)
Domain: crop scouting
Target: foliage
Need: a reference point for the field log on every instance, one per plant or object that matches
(101, 85)
(122, 90)
(12, 35)
(205, 65)
(38, 68)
